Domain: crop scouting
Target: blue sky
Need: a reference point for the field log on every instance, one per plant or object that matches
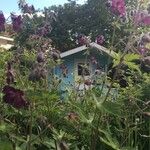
(8, 6)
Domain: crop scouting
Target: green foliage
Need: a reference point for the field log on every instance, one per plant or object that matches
(105, 117)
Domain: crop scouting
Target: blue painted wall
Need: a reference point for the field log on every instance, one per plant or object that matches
(66, 82)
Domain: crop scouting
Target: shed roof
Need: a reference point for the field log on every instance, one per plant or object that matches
(84, 47)
(6, 38)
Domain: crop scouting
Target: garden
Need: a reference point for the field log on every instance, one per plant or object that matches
(111, 111)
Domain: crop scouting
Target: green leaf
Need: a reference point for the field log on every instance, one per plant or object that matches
(112, 108)
(131, 57)
(2, 127)
(109, 140)
(5, 145)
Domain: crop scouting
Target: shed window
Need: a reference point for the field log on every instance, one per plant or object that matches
(83, 69)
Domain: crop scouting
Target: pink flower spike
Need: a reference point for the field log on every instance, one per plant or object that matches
(118, 7)
(146, 20)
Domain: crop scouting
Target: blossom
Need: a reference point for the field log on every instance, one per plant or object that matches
(83, 40)
(38, 73)
(40, 57)
(2, 21)
(28, 9)
(100, 39)
(117, 7)
(55, 54)
(141, 18)
(146, 20)
(44, 30)
(142, 45)
(16, 22)
(14, 97)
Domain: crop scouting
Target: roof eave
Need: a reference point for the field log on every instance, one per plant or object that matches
(84, 47)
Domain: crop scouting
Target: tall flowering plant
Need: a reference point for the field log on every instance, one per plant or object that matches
(33, 115)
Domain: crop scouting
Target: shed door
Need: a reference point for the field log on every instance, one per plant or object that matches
(82, 72)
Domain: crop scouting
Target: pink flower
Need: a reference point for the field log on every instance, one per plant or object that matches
(117, 7)
(146, 20)
(100, 39)
(141, 18)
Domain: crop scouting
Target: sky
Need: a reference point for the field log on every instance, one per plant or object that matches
(8, 6)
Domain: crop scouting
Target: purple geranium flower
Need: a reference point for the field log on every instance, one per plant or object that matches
(28, 9)
(100, 39)
(16, 22)
(144, 40)
(83, 40)
(14, 97)
(2, 21)
(44, 30)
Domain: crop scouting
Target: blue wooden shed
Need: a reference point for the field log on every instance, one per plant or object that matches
(91, 59)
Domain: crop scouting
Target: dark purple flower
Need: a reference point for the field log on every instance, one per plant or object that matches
(44, 30)
(83, 40)
(142, 46)
(2, 21)
(117, 7)
(38, 73)
(16, 22)
(100, 39)
(146, 38)
(40, 57)
(14, 97)
(28, 9)
(55, 54)
(142, 50)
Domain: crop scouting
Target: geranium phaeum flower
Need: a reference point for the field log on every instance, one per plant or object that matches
(28, 9)
(142, 46)
(117, 7)
(83, 40)
(44, 30)
(2, 21)
(14, 97)
(16, 22)
(100, 39)
(40, 57)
